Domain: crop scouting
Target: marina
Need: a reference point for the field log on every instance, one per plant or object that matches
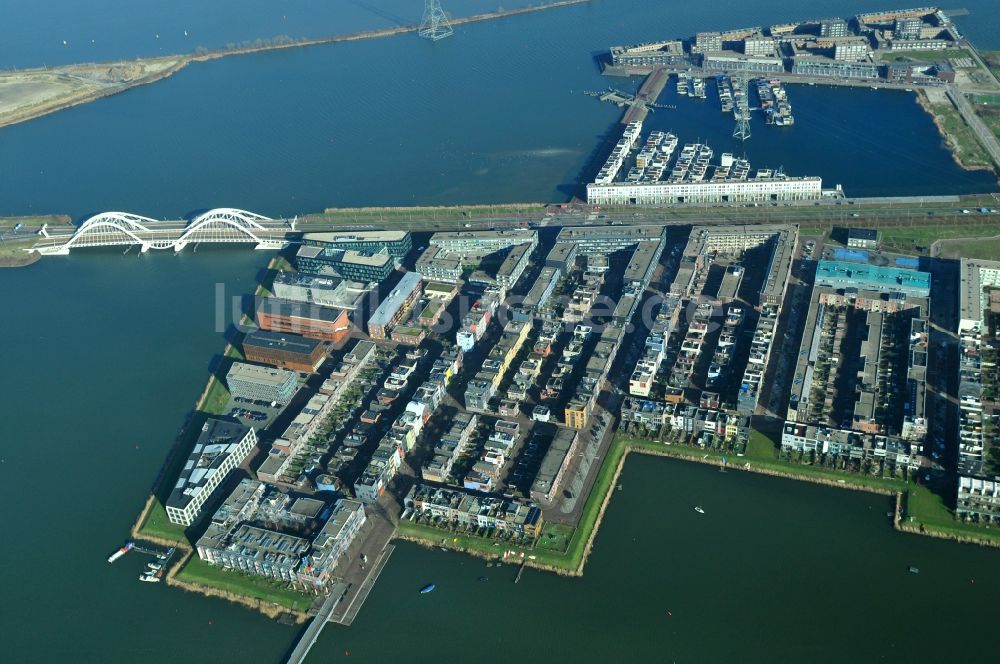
(725, 88)
(240, 633)
(774, 102)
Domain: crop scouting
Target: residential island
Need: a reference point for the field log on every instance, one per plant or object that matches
(475, 381)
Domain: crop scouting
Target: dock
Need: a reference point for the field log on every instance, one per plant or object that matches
(308, 638)
(341, 606)
(356, 579)
(347, 610)
(647, 95)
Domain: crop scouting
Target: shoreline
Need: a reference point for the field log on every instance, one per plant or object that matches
(184, 59)
(15, 117)
(898, 523)
(951, 143)
(269, 610)
(427, 542)
(29, 258)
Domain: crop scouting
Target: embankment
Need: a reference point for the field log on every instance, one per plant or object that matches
(270, 610)
(954, 143)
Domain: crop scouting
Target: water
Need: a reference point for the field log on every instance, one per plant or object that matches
(103, 355)
(403, 121)
(32, 33)
(774, 571)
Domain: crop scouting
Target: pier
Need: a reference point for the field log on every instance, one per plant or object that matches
(647, 95)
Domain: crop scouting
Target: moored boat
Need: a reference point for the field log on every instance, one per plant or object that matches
(120, 552)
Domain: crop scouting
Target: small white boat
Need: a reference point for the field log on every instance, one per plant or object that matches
(699, 510)
(149, 578)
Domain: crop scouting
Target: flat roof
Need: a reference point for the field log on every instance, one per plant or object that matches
(522, 234)
(642, 258)
(307, 281)
(276, 306)
(260, 375)
(553, 460)
(348, 256)
(976, 275)
(217, 441)
(440, 286)
(514, 256)
(361, 349)
(881, 278)
(389, 305)
(545, 279)
(561, 251)
(357, 236)
(575, 234)
(430, 258)
(292, 343)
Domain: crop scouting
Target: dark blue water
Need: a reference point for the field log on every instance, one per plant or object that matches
(32, 33)
(103, 355)
(495, 114)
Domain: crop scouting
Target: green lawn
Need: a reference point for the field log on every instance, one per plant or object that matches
(216, 398)
(571, 559)
(158, 525)
(763, 460)
(987, 249)
(925, 56)
(761, 447)
(267, 591)
(403, 213)
(430, 309)
(924, 507)
(961, 138)
(50, 219)
(556, 537)
(906, 237)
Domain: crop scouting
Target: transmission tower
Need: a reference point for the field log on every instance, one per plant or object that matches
(434, 25)
(742, 130)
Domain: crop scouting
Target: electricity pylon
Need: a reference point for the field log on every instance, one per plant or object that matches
(434, 25)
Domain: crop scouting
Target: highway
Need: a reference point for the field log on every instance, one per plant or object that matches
(272, 234)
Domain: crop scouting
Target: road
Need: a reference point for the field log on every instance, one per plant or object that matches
(986, 137)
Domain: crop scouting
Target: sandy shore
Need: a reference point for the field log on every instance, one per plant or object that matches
(32, 93)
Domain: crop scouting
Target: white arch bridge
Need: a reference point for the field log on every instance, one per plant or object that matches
(222, 225)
